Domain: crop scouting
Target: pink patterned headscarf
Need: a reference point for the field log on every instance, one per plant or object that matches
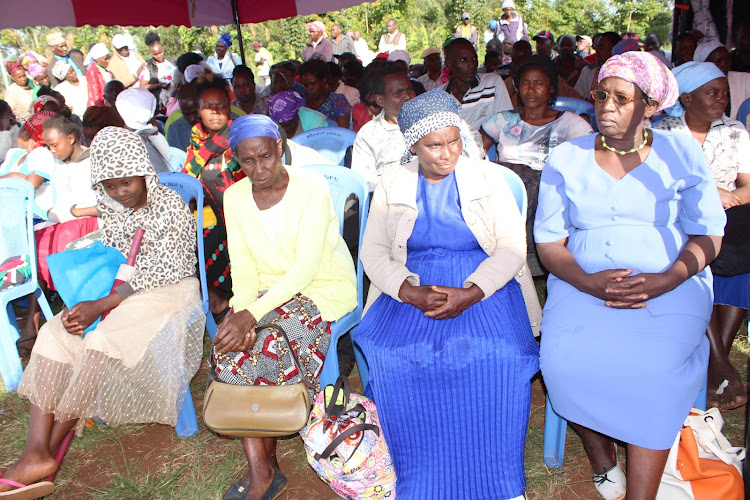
(318, 26)
(647, 72)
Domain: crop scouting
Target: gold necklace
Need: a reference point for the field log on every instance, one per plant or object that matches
(623, 153)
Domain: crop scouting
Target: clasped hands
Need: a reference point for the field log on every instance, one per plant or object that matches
(82, 315)
(236, 333)
(621, 289)
(440, 302)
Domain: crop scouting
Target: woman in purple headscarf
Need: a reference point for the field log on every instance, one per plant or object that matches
(291, 268)
(627, 221)
(289, 111)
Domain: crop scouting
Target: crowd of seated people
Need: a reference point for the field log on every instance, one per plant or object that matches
(444, 248)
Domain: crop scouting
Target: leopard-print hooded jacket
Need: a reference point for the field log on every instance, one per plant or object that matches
(167, 253)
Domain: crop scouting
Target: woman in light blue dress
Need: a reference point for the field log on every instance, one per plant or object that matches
(627, 221)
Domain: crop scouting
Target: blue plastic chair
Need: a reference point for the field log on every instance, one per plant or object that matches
(176, 159)
(342, 183)
(743, 112)
(492, 153)
(188, 188)
(17, 230)
(518, 189)
(578, 107)
(331, 142)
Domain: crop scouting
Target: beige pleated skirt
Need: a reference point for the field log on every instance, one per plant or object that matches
(133, 368)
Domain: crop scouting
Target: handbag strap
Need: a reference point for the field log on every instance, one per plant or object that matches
(342, 383)
(260, 328)
(341, 437)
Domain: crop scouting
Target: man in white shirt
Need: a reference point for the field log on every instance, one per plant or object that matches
(380, 143)
(434, 66)
(393, 40)
(480, 96)
(263, 63)
(361, 49)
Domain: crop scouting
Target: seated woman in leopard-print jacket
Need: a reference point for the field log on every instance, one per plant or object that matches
(132, 367)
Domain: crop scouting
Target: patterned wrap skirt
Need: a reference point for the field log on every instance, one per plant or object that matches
(270, 361)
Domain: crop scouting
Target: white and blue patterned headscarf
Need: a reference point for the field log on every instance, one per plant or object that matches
(424, 114)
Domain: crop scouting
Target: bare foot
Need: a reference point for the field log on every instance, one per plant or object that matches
(724, 378)
(30, 468)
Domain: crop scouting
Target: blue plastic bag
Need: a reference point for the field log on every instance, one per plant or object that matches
(85, 274)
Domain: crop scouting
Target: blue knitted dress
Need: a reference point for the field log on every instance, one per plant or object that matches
(453, 395)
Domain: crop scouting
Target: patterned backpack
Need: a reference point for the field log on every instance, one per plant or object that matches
(345, 447)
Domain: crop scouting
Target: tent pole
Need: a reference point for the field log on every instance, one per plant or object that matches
(236, 13)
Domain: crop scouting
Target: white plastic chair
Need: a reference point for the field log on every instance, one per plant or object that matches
(17, 230)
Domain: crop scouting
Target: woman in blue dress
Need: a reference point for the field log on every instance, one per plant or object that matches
(446, 333)
(627, 221)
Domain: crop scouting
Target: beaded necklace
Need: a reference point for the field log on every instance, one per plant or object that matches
(623, 153)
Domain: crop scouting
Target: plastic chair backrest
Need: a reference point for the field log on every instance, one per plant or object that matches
(517, 188)
(343, 182)
(176, 159)
(16, 224)
(577, 106)
(331, 142)
(188, 187)
(743, 112)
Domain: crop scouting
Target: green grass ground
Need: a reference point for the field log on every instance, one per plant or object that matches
(149, 462)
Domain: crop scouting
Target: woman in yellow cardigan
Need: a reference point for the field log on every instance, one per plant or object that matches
(291, 268)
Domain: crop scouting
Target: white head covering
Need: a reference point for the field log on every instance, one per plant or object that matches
(194, 71)
(509, 4)
(119, 41)
(400, 55)
(705, 49)
(136, 105)
(98, 51)
(60, 70)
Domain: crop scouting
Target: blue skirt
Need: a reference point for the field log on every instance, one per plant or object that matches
(453, 395)
(732, 290)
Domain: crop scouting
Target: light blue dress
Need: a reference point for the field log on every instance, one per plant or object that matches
(629, 374)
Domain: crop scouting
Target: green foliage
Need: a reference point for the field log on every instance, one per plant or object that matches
(425, 23)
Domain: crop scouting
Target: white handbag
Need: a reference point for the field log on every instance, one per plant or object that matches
(702, 463)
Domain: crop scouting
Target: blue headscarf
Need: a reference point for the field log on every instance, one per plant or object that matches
(691, 76)
(226, 39)
(249, 126)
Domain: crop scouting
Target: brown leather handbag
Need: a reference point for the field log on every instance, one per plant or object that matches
(256, 410)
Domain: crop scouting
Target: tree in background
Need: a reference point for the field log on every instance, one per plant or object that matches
(426, 23)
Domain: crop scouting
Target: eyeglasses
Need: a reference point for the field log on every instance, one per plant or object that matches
(617, 98)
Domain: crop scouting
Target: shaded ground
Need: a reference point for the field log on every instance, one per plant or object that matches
(150, 462)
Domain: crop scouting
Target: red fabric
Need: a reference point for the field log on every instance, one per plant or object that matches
(95, 82)
(591, 58)
(35, 125)
(52, 239)
(132, 13)
(360, 116)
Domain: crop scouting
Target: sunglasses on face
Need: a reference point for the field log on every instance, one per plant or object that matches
(618, 98)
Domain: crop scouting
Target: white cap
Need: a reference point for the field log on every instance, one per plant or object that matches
(194, 71)
(508, 4)
(119, 41)
(136, 105)
(98, 51)
(400, 55)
